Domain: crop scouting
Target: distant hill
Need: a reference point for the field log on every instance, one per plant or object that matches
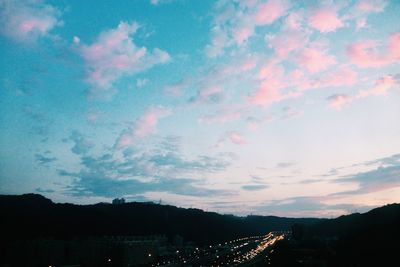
(384, 218)
(32, 216)
(368, 239)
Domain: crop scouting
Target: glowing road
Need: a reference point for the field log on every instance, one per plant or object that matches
(239, 252)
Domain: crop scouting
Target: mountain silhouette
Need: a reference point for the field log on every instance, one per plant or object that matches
(34, 216)
(368, 239)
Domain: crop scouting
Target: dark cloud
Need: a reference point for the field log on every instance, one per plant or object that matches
(391, 160)
(385, 161)
(310, 206)
(254, 187)
(43, 159)
(167, 155)
(257, 179)
(175, 161)
(311, 181)
(283, 165)
(373, 181)
(98, 184)
(139, 172)
(40, 190)
(170, 143)
(81, 144)
(289, 113)
(386, 175)
(204, 97)
(332, 172)
(227, 205)
(39, 121)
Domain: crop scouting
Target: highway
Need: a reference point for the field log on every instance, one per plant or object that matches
(245, 251)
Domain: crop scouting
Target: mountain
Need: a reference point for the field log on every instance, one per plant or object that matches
(33, 216)
(369, 239)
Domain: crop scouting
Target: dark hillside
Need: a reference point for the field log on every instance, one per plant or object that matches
(32, 216)
(369, 239)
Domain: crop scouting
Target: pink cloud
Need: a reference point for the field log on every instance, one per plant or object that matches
(325, 20)
(271, 11)
(241, 34)
(144, 126)
(222, 116)
(296, 74)
(381, 87)
(394, 46)
(208, 94)
(286, 42)
(177, 89)
(236, 67)
(364, 54)
(247, 64)
(27, 21)
(342, 77)
(174, 89)
(114, 55)
(34, 24)
(93, 116)
(236, 138)
(275, 84)
(294, 20)
(219, 41)
(124, 140)
(254, 123)
(289, 113)
(361, 23)
(369, 54)
(314, 60)
(234, 24)
(210, 83)
(337, 101)
(270, 89)
(375, 6)
(364, 7)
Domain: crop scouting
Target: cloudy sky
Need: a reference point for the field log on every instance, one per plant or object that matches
(265, 107)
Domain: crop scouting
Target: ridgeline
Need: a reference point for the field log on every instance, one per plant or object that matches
(32, 216)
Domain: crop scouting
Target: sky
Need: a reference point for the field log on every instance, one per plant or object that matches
(288, 108)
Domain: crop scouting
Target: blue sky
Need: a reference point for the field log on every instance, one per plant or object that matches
(267, 107)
